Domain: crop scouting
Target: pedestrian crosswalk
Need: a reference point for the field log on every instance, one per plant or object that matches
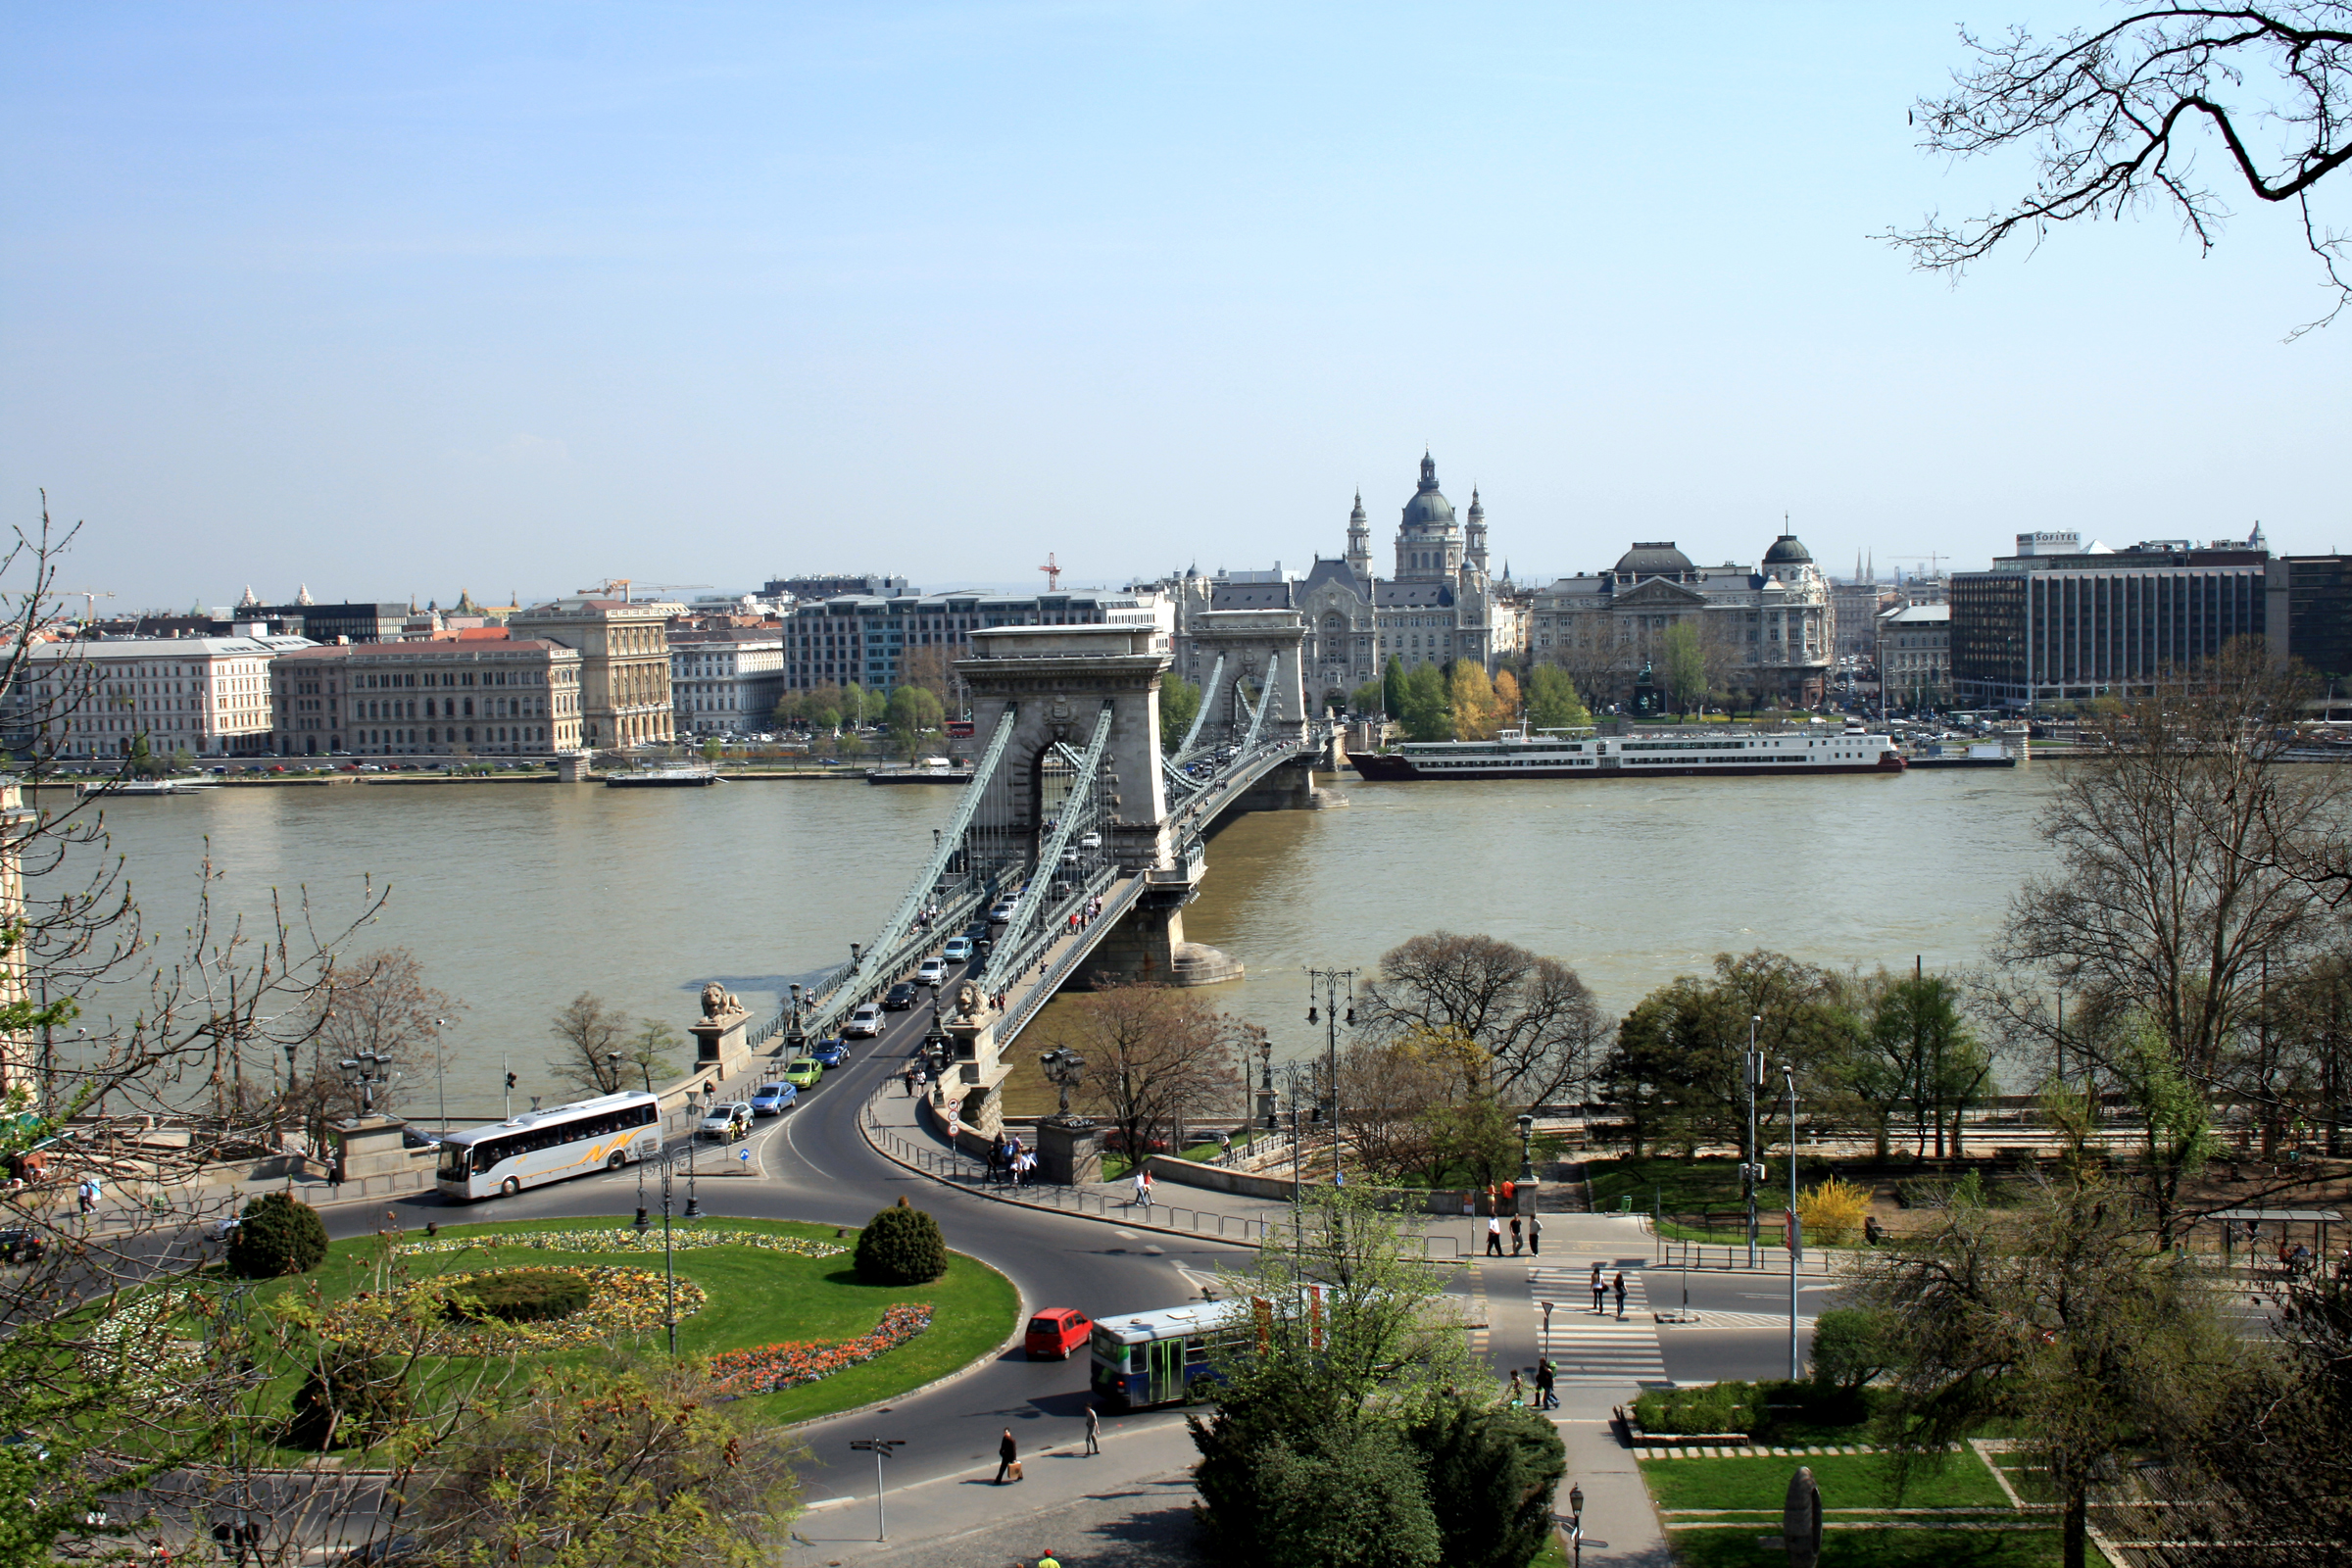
(1712, 1319)
(1589, 1347)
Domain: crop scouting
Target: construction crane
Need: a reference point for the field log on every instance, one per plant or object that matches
(626, 585)
(89, 598)
(1931, 558)
(1052, 571)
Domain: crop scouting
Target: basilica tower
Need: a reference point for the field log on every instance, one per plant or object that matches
(1429, 542)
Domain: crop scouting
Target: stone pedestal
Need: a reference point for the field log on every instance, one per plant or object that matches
(1527, 1198)
(571, 767)
(972, 1081)
(718, 1041)
(1069, 1150)
(370, 1146)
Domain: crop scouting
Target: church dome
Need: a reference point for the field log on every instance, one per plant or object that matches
(1787, 551)
(1658, 559)
(1429, 509)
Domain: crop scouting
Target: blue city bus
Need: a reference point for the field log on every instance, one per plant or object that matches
(1144, 1358)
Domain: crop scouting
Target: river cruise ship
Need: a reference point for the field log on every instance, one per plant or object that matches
(1649, 753)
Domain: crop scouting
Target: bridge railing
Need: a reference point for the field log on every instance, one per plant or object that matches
(1021, 1010)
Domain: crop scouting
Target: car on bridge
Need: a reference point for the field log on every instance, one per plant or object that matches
(865, 1023)
(804, 1072)
(898, 998)
(774, 1100)
(832, 1053)
(931, 971)
(958, 950)
(998, 914)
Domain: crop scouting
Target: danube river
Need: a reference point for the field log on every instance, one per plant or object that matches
(518, 897)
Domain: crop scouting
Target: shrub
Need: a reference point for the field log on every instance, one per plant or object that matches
(276, 1235)
(349, 1398)
(1832, 1211)
(1288, 1475)
(901, 1246)
(1715, 1407)
(1489, 1472)
(1850, 1348)
(522, 1296)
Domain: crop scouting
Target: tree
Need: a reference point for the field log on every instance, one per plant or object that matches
(1491, 1471)
(1179, 704)
(635, 1466)
(933, 668)
(1471, 710)
(2276, 1461)
(1685, 671)
(379, 1004)
(1423, 711)
(915, 718)
(649, 1050)
(1387, 1087)
(1552, 700)
(1391, 687)
(1912, 1049)
(1369, 698)
(2188, 854)
(2059, 1319)
(712, 751)
(1537, 1025)
(1154, 1056)
(590, 1056)
(901, 1245)
(2115, 116)
(1507, 706)
(277, 1235)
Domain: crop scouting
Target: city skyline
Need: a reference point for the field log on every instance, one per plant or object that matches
(391, 302)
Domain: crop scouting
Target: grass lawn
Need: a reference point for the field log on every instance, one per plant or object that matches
(1734, 1547)
(1847, 1481)
(756, 1297)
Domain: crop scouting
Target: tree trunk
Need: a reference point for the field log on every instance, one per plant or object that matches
(2075, 1532)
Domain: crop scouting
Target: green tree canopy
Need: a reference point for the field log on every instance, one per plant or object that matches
(1423, 711)
(1683, 670)
(1552, 700)
(1179, 704)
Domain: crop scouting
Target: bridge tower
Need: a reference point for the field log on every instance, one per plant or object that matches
(1258, 650)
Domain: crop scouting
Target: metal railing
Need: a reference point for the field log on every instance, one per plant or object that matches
(1771, 1256)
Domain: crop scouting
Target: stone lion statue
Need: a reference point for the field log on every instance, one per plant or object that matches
(719, 1001)
(967, 1001)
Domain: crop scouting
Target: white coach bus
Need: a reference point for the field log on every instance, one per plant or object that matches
(540, 1147)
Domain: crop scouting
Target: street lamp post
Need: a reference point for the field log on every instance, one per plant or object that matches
(1331, 980)
(1576, 1522)
(364, 1072)
(1797, 1237)
(693, 1136)
(794, 1038)
(1527, 1155)
(441, 1071)
(612, 1071)
(1265, 1076)
(1751, 1069)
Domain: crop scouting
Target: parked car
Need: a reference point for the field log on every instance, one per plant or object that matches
(865, 1023)
(1115, 1140)
(774, 1100)
(832, 1053)
(931, 971)
(898, 998)
(804, 1072)
(958, 950)
(1055, 1333)
(727, 1123)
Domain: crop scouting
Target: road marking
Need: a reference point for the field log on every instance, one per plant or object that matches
(1587, 1347)
(1712, 1319)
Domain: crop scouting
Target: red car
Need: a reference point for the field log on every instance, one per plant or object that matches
(1055, 1332)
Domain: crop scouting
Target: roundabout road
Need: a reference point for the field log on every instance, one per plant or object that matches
(813, 1163)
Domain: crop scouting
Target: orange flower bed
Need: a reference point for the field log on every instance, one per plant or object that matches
(767, 1368)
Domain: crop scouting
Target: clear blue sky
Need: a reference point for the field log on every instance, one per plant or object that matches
(400, 299)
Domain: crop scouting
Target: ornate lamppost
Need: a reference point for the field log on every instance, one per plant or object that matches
(794, 1039)
(1065, 1069)
(1332, 980)
(693, 1136)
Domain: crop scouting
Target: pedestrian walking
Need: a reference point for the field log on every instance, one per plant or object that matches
(1600, 1291)
(1516, 1239)
(1146, 1187)
(908, 1075)
(1534, 1235)
(1546, 1379)
(1493, 1237)
(85, 1193)
(1008, 1458)
(1142, 1193)
(1049, 1561)
(1518, 1391)
(1094, 1431)
(1621, 1292)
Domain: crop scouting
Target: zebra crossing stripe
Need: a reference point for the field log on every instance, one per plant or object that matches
(1587, 1347)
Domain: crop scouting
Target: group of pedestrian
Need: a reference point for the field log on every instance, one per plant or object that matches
(1143, 1188)
(1531, 1237)
(1010, 1160)
(1601, 1289)
(86, 1193)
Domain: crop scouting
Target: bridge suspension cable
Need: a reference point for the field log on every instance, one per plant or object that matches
(883, 953)
(1080, 802)
(1266, 699)
(1209, 694)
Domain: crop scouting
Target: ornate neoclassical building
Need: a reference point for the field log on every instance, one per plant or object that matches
(1765, 630)
(1439, 605)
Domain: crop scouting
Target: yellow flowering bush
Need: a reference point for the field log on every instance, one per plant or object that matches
(1832, 1211)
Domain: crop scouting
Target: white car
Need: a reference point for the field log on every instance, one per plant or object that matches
(865, 1023)
(727, 1123)
(931, 971)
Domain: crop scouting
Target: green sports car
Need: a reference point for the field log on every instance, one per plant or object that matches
(803, 1073)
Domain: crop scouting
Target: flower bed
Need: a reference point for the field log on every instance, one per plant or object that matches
(628, 1303)
(767, 1368)
(626, 1239)
(136, 1343)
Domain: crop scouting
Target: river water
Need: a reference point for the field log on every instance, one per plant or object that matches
(518, 897)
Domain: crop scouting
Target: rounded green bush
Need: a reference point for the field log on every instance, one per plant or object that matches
(277, 1235)
(524, 1295)
(901, 1246)
(349, 1398)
